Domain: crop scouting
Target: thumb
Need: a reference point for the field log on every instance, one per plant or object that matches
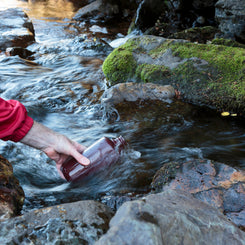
(80, 158)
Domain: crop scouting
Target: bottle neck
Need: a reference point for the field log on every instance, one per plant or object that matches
(119, 142)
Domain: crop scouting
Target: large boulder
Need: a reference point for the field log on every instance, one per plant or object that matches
(206, 74)
(81, 222)
(16, 29)
(212, 182)
(170, 217)
(231, 17)
(11, 194)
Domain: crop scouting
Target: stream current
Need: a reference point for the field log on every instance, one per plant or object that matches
(61, 87)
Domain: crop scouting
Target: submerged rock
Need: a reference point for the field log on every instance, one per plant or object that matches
(81, 222)
(11, 194)
(170, 217)
(211, 182)
(16, 29)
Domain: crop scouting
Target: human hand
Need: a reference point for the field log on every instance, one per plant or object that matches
(56, 146)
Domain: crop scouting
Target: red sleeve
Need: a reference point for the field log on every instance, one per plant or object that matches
(14, 121)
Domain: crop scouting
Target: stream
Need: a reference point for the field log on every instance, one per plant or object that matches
(61, 88)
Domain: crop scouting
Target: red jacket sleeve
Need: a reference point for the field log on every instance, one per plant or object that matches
(14, 121)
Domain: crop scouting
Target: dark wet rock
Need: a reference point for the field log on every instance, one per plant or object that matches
(106, 9)
(197, 34)
(11, 194)
(137, 91)
(16, 29)
(164, 18)
(167, 18)
(21, 52)
(227, 42)
(231, 18)
(148, 13)
(81, 222)
(170, 217)
(212, 182)
(115, 201)
(201, 72)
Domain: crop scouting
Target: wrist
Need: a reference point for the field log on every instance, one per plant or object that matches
(39, 137)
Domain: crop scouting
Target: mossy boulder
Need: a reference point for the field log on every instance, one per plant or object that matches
(205, 74)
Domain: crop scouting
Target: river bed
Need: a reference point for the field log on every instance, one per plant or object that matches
(61, 88)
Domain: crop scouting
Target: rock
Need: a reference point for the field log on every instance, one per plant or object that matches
(21, 52)
(200, 5)
(197, 34)
(81, 222)
(16, 29)
(164, 18)
(106, 10)
(137, 91)
(201, 72)
(231, 18)
(99, 8)
(227, 42)
(11, 194)
(212, 182)
(148, 13)
(114, 202)
(170, 217)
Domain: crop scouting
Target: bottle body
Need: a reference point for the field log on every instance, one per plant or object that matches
(102, 153)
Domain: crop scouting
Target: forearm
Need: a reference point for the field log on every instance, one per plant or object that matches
(40, 137)
(56, 146)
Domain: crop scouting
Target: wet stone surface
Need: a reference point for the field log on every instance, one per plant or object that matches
(76, 223)
(16, 29)
(170, 217)
(215, 183)
(11, 194)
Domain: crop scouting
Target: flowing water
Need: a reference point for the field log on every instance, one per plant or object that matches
(61, 87)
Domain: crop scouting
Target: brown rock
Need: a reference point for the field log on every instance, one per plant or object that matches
(16, 29)
(11, 194)
(212, 182)
(137, 91)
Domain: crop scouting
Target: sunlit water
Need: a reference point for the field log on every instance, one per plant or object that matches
(61, 89)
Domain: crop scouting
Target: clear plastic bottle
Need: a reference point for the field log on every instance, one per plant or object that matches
(102, 153)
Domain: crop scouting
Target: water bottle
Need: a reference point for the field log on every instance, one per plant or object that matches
(102, 153)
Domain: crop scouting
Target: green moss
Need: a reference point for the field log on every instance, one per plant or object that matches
(229, 62)
(161, 49)
(152, 73)
(219, 82)
(227, 42)
(119, 66)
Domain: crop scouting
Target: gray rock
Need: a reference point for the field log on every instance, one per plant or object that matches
(137, 91)
(16, 29)
(214, 183)
(231, 17)
(170, 217)
(99, 8)
(81, 222)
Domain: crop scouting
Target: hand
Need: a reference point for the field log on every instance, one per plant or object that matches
(56, 146)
